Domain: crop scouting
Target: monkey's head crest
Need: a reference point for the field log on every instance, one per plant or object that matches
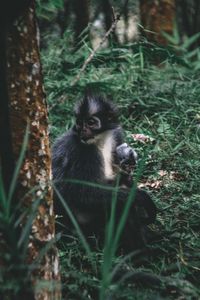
(96, 104)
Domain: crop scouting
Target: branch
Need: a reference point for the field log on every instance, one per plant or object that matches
(116, 18)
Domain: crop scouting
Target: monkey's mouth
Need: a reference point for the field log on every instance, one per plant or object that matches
(87, 140)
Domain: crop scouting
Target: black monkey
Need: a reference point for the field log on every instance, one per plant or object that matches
(89, 152)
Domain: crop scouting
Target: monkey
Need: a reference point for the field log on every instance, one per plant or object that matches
(92, 151)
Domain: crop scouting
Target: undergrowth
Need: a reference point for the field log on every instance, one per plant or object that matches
(157, 93)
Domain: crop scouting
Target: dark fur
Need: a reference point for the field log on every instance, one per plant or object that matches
(73, 159)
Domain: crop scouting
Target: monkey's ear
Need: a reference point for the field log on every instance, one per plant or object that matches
(113, 114)
(77, 106)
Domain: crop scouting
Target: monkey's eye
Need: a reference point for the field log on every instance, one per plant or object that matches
(94, 122)
(78, 123)
(91, 122)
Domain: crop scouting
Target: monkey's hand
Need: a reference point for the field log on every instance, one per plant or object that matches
(127, 157)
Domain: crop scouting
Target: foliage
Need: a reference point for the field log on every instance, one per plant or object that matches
(185, 47)
(157, 92)
(15, 271)
(48, 9)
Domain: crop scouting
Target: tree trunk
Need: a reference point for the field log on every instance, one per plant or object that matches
(63, 16)
(82, 16)
(188, 15)
(157, 16)
(108, 18)
(27, 107)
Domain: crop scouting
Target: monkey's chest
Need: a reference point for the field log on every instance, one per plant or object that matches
(88, 166)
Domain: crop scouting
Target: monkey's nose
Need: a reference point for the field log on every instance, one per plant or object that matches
(84, 135)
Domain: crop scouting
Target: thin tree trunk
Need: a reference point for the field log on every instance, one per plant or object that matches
(188, 12)
(27, 107)
(108, 17)
(63, 16)
(82, 16)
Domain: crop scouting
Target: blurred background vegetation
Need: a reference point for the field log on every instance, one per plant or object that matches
(93, 18)
(150, 66)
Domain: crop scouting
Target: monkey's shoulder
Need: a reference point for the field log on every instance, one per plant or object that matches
(63, 150)
(68, 150)
(66, 142)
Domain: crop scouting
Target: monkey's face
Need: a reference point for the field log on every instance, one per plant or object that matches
(94, 116)
(88, 128)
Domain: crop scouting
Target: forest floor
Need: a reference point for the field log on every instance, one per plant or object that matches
(157, 94)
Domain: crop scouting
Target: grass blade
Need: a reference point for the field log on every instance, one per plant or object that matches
(74, 222)
(18, 166)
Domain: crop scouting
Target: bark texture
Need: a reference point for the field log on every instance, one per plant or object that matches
(28, 107)
(157, 16)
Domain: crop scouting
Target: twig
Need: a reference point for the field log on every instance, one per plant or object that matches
(60, 100)
(90, 57)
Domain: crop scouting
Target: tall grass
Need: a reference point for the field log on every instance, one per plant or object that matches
(14, 272)
(16, 220)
